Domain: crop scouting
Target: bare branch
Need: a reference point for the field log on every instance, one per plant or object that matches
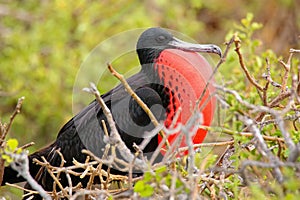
(265, 151)
(268, 77)
(212, 144)
(12, 117)
(287, 68)
(231, 132)
(237, 43)
(27, 145)
(294, 50)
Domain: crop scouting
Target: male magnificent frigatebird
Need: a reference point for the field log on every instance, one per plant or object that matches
(172, 75)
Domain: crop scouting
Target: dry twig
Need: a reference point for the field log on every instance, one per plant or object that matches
(237, 43)
(12, 117)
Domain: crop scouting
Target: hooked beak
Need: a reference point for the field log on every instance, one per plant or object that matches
(186, 46)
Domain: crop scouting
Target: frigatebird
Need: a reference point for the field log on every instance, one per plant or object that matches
(172, 75)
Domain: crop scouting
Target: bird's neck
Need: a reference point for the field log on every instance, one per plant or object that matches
(148, 55)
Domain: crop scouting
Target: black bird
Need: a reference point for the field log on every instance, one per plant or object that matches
(154, 84)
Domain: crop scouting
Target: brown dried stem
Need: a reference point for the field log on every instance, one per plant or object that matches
(212, 144)
(231, 132)
(12, 117)
(287, 68)
(268, 77)
(237, 43)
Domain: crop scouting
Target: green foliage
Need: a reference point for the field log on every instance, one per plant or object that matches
(10, 147)
(157, 182)
(210, 159)
(145, 190)
(255, 61)
(245, 31)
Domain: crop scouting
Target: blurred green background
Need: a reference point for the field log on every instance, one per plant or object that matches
(43, 43)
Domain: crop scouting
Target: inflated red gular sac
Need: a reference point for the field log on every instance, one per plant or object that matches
(186, 75)
(172, 75)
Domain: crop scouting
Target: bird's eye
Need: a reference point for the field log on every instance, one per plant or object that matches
(161, 38)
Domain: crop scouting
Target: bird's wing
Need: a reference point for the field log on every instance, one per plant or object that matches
(85, 131)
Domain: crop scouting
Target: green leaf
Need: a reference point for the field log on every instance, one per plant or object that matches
(139, 186)
(147, 176)
(144, 190)
(110, 198)
(12, 144)
(256, 26)
(249, 17)
(161, 169)
(197, 3)
(7, 158)
(147, 192)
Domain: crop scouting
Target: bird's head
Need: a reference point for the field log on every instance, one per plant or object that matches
(154, 40)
